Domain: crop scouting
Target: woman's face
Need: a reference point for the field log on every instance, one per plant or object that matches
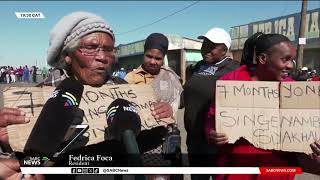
(279, 61)
(91, 61)
(153, 60)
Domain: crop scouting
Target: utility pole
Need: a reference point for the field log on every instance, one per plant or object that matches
(302, 31)
(183, 65)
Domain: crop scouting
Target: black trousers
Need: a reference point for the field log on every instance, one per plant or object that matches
(201, 154)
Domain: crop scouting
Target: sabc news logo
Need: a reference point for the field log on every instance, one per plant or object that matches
(35, 161)
(85, 170)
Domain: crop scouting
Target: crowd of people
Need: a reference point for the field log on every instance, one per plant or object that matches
(305, 74)
(24, 74)
(81, 51)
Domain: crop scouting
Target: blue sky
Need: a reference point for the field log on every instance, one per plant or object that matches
(24, 41)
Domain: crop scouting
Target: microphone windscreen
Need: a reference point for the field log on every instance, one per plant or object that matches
(121, 115)
(55, 119)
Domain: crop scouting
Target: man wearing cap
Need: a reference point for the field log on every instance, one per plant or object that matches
(304, 75)
(198, 94)
(122, 73)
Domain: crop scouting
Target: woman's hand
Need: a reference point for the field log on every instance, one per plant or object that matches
(160, 110)
(217, 138)
(316, 151)
(9, 116)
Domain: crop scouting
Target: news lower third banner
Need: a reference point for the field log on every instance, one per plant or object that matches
(161, 170)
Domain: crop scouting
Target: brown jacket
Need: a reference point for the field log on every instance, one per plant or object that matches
(139, 76)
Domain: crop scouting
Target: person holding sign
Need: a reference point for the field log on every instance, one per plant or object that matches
(167, 88)
(266, 57)
(152, 71)
(198, 95)
(83, 45)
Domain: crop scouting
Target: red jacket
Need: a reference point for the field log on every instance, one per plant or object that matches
(316, 78)
(242, 153)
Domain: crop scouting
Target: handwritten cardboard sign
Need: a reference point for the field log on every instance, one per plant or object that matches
(94, 103)
(300, 95)
(270, 115)
(31, 101)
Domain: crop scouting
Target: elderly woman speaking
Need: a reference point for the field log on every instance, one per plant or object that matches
(82, 44)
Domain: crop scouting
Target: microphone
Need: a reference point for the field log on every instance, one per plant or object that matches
(57, 115)
(124, 124)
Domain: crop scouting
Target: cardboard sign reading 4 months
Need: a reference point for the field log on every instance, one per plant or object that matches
(94, 103)
(269, 117)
